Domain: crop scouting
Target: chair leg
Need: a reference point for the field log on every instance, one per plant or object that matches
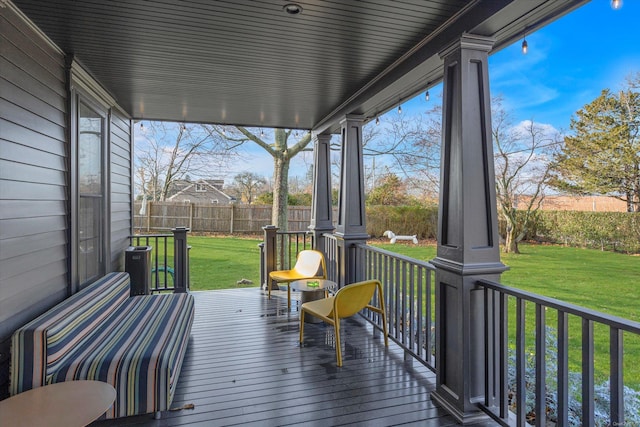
(289, 296)
(301, 326)
(269, 283)
(384, 329)
(336, 328)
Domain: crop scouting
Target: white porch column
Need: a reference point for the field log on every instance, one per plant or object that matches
(468, 247)
(321, 209)
(351, 228)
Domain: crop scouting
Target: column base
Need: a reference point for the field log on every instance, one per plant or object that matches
(460, 416)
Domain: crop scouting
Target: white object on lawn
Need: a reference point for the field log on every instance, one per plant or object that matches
(393, 238)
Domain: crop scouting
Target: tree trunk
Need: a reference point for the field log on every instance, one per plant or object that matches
(280, 193)
(511, 240)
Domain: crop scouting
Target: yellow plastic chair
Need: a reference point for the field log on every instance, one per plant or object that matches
(345, 303)
(308, 263)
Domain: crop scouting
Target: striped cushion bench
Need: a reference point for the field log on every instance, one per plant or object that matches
(136, 344)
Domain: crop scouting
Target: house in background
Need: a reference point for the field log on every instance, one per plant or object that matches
(200, 191)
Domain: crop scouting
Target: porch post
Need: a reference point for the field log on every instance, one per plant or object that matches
(468, 247)
(269, 254)
(321, 208)
(181, 259)
(352, 227)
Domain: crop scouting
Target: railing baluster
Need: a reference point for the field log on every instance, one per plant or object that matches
(488, 348)
(420, 323)
(398, 310)
(520, 364)
(563, 369)
(504, 361)
(412, 312)
(616, 374)
(541, 367)
(406, 322)
(429, 315)
(587, 373)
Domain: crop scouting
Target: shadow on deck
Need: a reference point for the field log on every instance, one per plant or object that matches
(244, 366)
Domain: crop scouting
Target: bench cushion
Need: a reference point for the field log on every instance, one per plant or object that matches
(50, 337)
(139, 350)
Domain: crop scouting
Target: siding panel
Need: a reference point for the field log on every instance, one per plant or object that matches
(26, 154)
(121, 191)
(33, 197)
(36, 140)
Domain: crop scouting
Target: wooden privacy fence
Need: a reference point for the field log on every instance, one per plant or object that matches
(209, 218)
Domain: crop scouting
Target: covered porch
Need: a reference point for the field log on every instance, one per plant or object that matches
(113, 64)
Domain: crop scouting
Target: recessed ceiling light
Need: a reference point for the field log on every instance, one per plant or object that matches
(292, 8)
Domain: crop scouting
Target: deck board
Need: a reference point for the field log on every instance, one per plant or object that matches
(244, 366)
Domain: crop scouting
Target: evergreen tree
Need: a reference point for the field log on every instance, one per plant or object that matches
(603, 154)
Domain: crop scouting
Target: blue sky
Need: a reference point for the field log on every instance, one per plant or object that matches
(568, 64)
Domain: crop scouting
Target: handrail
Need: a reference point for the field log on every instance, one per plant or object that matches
(289, 244)
(587, 313)
(409, 294)
(167, 260)
(498, 393)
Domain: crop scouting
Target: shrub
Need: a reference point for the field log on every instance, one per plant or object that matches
(403, 220)
(602, 401)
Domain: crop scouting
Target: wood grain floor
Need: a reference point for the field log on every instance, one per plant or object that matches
(244, 366)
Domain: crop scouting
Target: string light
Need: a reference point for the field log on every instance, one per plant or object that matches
(616, 4)
(141, 126)
(426, 96)
(377, 120)
(399, 109)
(262, 133)
(525, 45)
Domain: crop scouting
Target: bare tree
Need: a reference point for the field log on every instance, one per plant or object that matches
(523, 156)
(412, 143)
(166, 152)
(279, 150)
(247, 185)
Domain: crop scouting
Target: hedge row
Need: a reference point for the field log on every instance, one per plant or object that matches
(403, 220)
(617, 231)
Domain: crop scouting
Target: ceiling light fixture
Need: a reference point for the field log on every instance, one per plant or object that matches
(616, 4)
(292, 8)
(525, 45)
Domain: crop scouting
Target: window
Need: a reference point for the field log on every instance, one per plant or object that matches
(186, 201)
(91, 194)
(215, 201)
(201, 188)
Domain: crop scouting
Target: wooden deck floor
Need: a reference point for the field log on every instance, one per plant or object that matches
(244, 366)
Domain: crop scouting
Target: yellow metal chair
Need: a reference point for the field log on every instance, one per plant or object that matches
(308, 263)
(345, 303)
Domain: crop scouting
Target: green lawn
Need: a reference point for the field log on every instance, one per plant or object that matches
(603, 281)
(220, 262)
